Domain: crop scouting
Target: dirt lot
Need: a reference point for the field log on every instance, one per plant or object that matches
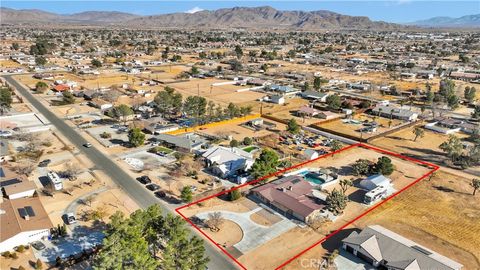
(353, 129)
(440, 214)
(238, 132)
(425, 148)
(223, 94)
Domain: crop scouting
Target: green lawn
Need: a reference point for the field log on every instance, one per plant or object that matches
(157, 149)
(249, 149)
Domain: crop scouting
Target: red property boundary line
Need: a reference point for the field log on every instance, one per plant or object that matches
(420, 162)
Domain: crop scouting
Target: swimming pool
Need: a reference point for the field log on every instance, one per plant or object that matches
(313, 177)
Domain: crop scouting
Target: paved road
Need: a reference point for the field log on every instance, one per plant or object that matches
(135, 190)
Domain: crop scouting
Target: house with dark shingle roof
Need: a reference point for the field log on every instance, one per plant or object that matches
(385, 249)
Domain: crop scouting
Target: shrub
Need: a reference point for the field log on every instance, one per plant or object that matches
(6, 254)
(21, 248)
(21, 267)
(14, 256)
(38, 264)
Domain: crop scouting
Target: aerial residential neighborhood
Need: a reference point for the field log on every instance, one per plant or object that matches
(209, 135)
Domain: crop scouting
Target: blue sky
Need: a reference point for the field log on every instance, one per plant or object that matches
(391, 11)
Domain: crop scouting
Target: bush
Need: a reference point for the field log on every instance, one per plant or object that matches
(21, 248)
(105, 135)
(14, 256)
(247, 141)
(38, 264)
(6, 254)
(21, 268)
(235, 195)
(47, 144)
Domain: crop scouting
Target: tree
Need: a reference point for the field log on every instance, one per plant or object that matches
(361, 167)
(336, 201)
(136, 137)
(40, 61)
(247, 141)
(68, 97)
(234, 143)
(186, 194)
(453, 147)
(168, 102)
(195, 106)
(293, 127)
(238, 51)
(122, 112)
(476, 112)
(15, 46)
(418, 132)
(317, 83)
(470, 93)
(265, 164)
(331, 258)
(334, 102)
(214, 221)
(335, 145)
(234, 195)
(194, 70)
(5, 100)
(345, 184)
(475, 184)
(96, 63)
(41, 87)
(384, 166)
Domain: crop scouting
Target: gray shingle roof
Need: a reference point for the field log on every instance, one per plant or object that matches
(397, 251)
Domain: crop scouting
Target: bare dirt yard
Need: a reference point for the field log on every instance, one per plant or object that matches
(351, 129)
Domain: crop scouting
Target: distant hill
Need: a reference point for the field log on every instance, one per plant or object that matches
(240, 17)
(464, 21)
(260, 17)
(31, 16)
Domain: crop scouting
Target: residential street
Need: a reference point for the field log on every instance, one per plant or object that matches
(135, 190)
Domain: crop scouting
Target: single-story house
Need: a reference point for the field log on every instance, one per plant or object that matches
(450, 125)
(150, 125)
(22, 221)
(394, 112)
(227, 161)
(21, 189)
(100, 104)
(319, 96)
(307, 111)
(385, 249)
(184, 143)
(291, 196)
(277, 99)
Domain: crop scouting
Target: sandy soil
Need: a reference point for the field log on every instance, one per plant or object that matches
(352, 129)
(228, 235)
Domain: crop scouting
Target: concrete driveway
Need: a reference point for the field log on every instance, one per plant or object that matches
(254, 234)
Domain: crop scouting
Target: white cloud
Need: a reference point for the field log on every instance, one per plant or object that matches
(194, 10)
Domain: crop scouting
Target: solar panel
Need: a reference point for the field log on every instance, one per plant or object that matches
(22, 212)
(30, 211)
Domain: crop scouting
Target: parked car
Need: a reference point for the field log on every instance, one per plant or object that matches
(44, 163)
(153, 187)
(160, 194)
(144, 179)
(87, 145)
(5, 133)
(38, 245)
(70, 218)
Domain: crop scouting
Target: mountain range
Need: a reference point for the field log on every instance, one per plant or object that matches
(238, 17)
(464, 21)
